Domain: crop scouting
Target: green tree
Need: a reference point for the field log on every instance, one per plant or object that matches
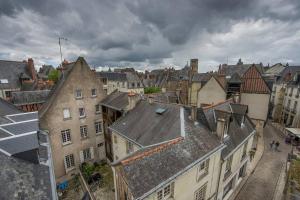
(150, 90)
(54, 75)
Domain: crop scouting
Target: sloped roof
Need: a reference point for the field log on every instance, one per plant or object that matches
(287, 74)
(253, 82)
(7, 108)
(113, 76)
(146, 169)
(29, 97)
(12, 71)
(201, 77)
(152, 128)
(275, 69)
(239, 69)
(116, 100)
(54, 91)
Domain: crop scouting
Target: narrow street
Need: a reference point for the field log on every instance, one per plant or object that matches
(262, 183)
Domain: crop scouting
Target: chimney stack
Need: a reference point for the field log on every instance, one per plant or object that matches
(194, 65)
(31, 68)
(132, 100)
(221, 128)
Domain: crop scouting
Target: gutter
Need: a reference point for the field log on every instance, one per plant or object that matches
(51, 168)
(218, 148)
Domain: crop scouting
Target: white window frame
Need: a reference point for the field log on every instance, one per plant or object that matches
(87, 154)
(66, 113)
(166, 192)
(200, 194)
(98, 127)
(202, 170)
(66, 136)
(84, 115)
(78, 91)
(83, 131)
(69, 161)
(99, 110)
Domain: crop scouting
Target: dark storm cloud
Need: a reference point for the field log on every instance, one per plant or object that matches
(147, 31)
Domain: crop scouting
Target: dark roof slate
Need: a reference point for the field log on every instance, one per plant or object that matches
(144, 126)
(29, 97)
(116, 100)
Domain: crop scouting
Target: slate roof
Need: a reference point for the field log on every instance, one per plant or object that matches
(287, 74)
(12, 71)
(176, 75)
(240, 69)
(152, 128)
(7, 108)
(201, 77)
(21, 178)
(146, 169)
(116, 100)
(113, 76)
(275, 69)
(29, 97)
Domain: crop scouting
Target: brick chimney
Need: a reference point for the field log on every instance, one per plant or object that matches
(31, 69)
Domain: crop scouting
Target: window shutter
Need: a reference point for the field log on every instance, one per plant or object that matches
(65, 162)
(81, 156)
(92, 152)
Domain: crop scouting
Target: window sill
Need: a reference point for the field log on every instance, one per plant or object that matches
(84, 138)
(70, 169)
(93, 96)
(82, 117)
(66, 119)
(97, 113)
(100, 133)
(66, 143)
(78, 98)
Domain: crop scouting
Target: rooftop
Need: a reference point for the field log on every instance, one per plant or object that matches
(116, 100)
(149, 167)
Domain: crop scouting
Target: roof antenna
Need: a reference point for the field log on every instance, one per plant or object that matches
(59, 42)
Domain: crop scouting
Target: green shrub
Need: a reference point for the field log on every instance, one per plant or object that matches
(150, 90)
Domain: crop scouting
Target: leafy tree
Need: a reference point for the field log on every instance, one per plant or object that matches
(150, 90)
(54, 75)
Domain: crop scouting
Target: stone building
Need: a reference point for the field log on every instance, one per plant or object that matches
(179, 152)
(285, 95)
(121, 81)
(73, 119)
(16, 76)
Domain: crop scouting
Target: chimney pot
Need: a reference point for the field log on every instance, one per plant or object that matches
(132, 100)
(237, 98)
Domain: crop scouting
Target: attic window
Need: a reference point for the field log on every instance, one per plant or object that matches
(160, 111)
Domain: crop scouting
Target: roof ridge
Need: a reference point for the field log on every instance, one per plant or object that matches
(151, 151)
(214, 105)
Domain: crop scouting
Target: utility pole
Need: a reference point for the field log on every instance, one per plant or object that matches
(59, 42)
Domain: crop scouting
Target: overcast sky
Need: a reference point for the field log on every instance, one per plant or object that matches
(151, 34)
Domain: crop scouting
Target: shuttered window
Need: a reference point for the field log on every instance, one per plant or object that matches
(201, 193)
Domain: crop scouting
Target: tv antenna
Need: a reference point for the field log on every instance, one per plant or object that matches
(61, 61)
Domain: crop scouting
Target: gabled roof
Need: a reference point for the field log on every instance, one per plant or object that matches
(288, 73)
(239, 69)
(201, 77)
(253, 82)
(55, 90)
(113, 76)
(116, 100)
(7, 108)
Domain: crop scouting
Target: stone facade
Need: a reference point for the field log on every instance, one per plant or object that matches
(62, 114)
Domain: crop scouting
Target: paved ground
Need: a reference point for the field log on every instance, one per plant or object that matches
(262, 183)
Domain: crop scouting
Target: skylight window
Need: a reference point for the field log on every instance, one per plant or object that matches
(160, 111)
(3, 81)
